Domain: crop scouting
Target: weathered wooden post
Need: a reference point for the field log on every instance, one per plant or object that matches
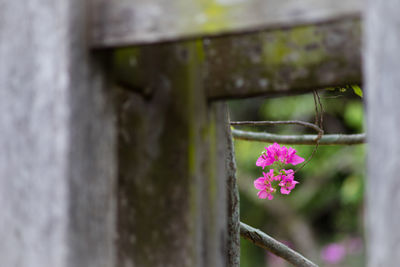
(382, 79)
(57, 160)
(172, 187)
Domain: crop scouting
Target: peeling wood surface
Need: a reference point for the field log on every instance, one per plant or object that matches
(265, 63)
(129, 22)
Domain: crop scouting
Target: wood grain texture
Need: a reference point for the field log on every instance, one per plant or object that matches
(233, 248)
(292, 61)
(284, 62)
(172, 177)
(128, 22)
(57, 140)
(382, 79)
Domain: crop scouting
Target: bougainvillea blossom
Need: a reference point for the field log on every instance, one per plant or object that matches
(287, 182)
(275, 152)
(289, 156)
(277, 176)
(264, 184)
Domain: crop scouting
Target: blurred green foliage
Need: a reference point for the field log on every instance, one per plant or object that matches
(327, 205)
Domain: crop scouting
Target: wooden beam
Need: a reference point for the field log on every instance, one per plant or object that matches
(128, 22)
(265, 63)
(280, 62)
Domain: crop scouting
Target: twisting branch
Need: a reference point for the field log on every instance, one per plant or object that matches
(259, 123)
(297, 227)
(328, 139)
(263, 240)
(319, 116)
(302, 123)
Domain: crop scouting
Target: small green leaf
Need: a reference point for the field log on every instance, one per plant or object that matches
(357, 90)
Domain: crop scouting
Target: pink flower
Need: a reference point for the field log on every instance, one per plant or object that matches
(271, 181)
(269, 156)
(275, 152)
(287, 182)
(264, 185)
(333, 253)
(290, 157)
(264, 161)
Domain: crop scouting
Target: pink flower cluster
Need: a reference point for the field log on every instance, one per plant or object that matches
(277, 156)
(279, 153)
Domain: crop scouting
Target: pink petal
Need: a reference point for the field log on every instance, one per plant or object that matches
(260, 161)
(295, 160)
(273, 151)
(282, 154)
(262, 194)
(270, 196)
(277, 178)
(285, 191)
(269, 175)
(260, 183)
(293, 185)
(276, 146)
(269, 161)
(291, 151)
(263, 161)
(289, 172)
